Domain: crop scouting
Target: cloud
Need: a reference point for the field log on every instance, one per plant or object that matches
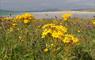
(46, 4)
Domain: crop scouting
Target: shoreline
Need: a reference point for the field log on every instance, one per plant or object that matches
(58, 14)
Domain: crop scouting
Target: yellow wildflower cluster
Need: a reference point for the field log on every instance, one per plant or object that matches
(59, 31)
(66, 16)
(26, 17)
(69, 38)
(56, 31)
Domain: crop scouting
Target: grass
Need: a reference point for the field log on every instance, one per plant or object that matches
(24, 42)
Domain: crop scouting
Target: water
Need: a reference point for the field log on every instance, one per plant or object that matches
(8, 13)
(58, 14)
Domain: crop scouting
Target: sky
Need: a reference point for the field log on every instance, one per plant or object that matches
(45, 4)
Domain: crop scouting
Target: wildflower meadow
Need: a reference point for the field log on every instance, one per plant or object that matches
(23, 37)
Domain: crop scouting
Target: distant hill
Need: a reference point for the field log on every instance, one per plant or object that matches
(86, 9)
(47, 10)
(55, 9)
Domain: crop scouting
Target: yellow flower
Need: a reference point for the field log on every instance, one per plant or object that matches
(26, 21)
(78, 31)
(56, 34)
(48, 25)
(45, 32)
(93, 22)
(46, 50)
(20, 37)
(69, 38)
(66, 16)
(14, 24)
(56, 31)
(17, 17)
(26, 17)
(52, 45)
